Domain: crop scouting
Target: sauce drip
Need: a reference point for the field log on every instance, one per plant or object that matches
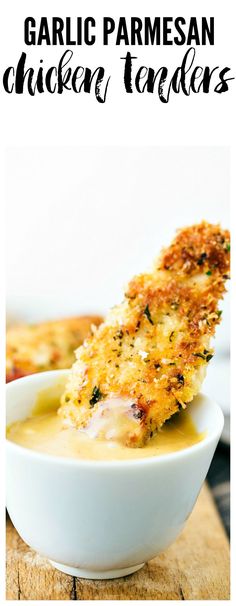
(45, 433)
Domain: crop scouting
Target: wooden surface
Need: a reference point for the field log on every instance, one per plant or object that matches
(195, 567)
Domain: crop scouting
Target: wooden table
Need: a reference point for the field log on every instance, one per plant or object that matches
(195, 567)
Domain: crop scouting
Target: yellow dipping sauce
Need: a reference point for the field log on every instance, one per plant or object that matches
(45, 433)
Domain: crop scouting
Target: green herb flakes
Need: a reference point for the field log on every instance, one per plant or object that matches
(148, 315)
(208, 357)
(96, 396)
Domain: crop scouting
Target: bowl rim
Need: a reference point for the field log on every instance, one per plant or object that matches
(206, 441)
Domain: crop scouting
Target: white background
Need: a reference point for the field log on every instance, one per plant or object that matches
(81, 221)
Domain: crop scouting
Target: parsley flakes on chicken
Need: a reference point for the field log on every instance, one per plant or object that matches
(153, 349)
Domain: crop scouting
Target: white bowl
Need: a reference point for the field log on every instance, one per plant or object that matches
(103, 519)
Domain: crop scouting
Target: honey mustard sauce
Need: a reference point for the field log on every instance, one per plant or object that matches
(45, 432)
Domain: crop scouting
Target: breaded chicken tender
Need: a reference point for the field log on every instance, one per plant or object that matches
(148, 359)
(45, 346)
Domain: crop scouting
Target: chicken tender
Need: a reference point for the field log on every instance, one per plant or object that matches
(148, 359)
(45, 346)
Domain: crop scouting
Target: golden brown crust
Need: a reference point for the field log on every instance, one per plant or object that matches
(45, 346)
(153, 349)
(198, 249)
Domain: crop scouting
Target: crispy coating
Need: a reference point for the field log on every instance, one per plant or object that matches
(153, 348)
(45, 346)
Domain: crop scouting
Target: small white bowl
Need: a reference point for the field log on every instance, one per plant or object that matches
(103, 519)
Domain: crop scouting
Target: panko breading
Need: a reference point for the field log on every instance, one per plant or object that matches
(153, 349)
(45, 346)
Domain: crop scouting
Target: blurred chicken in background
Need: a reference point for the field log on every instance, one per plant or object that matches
(45, 346)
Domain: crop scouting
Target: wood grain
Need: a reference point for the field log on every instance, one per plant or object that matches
(195, 567)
